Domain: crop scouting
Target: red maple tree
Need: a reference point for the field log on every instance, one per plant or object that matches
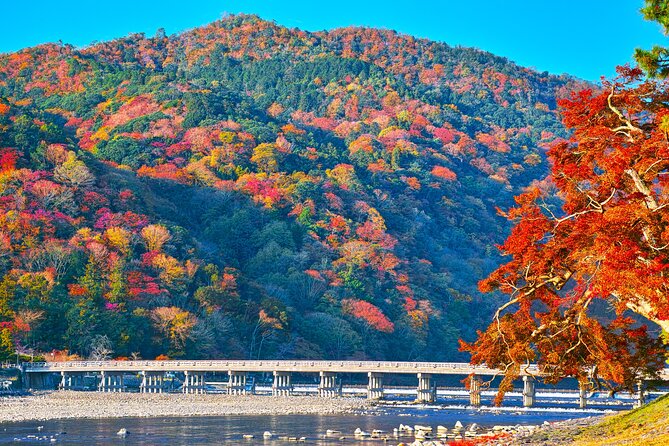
(579, 270)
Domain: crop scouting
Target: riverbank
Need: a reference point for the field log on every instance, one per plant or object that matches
(644, 426)
(67, 404)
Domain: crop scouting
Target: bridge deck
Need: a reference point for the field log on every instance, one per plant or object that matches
(436, 368)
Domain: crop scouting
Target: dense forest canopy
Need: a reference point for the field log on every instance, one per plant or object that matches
(247, 190)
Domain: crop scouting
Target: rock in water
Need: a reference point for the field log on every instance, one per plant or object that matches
(122, 432)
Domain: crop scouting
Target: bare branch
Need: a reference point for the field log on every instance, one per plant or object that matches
(628, 127)
(596, 207)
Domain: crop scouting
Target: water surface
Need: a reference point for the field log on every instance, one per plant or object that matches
(229, 430)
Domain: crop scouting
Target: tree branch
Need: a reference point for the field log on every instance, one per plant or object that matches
(628, 127)
(642, 188)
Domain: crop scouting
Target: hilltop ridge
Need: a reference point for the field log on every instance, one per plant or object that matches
(248, 190)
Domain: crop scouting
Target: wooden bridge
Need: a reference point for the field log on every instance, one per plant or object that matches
(110, 375)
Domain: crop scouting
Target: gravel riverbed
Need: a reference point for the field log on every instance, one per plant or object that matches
(560, 433)
(68, 404)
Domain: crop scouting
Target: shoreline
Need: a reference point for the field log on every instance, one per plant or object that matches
(56, 405)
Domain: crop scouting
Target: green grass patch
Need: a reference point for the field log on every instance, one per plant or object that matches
(647, 425)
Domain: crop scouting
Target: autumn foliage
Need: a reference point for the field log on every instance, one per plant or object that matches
(369, 313)
(224, 191)
(584, 266)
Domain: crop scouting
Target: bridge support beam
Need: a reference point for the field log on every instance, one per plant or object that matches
(425, 393)
(111, 382)
(282, 385)
(375, 386)
(236, 383)
(582, 395)
(475, 391)
(641, 394)
(529, 391)
(71, 381)
(152, 382)
(328, 385)
(193, 382)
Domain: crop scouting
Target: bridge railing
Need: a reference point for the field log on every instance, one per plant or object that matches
(261, 365)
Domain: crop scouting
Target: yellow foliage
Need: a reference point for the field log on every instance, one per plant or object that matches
(343, 175)
(118, 238)
(171, 268)
(264, 156)
(334, 108)
(404, 116)
(227, 137)
(155, 236)
(387, 130)
(275, 109)
(376, 219)
(101, 135)
(176, 323)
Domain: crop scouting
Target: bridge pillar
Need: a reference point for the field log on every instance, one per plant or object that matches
(641, 394)
(71, 381)
(425, 392)
(475, 391)
(375, 386)
(111, 382)
(152, 382)
(583, 395)
(282, 385)
(194, 382)
(529, 391)
(328, 385)
(236, 383)
(65, 381)
(105, 382)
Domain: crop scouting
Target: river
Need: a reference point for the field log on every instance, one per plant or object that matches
(229, 430)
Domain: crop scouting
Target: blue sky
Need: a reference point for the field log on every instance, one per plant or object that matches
(586, 38)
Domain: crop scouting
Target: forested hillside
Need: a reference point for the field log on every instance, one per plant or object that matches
(245, 190)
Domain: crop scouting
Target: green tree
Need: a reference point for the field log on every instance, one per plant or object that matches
(656, 60)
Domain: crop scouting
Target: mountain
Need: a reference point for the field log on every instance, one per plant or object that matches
(248, 190)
